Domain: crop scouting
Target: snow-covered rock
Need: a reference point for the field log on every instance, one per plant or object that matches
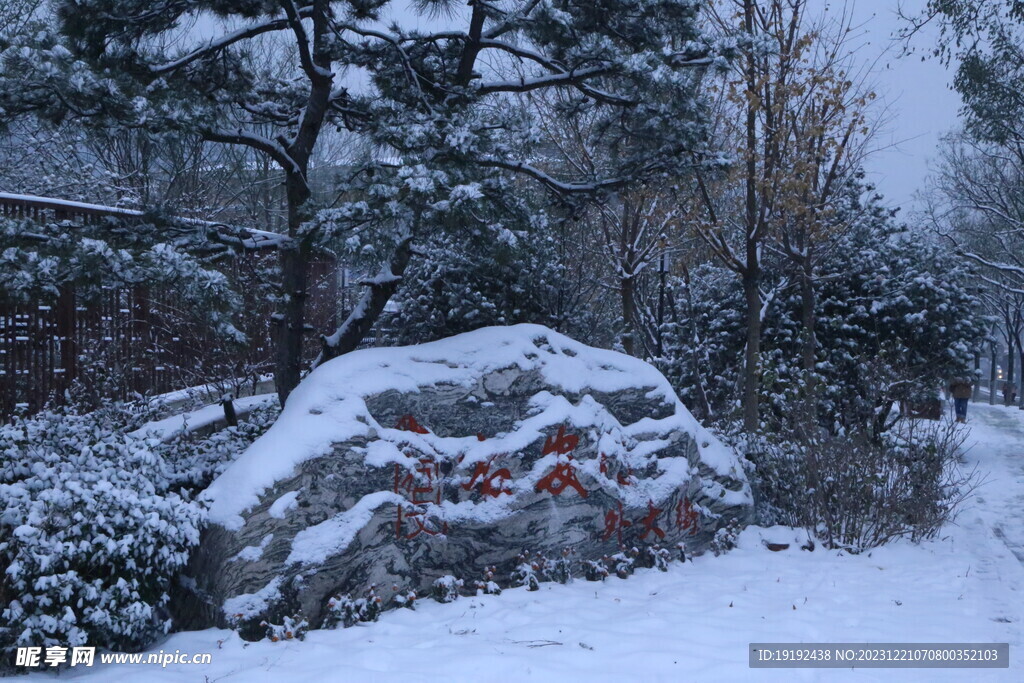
(395, 467)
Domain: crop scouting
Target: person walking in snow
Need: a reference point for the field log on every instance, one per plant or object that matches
(1009, 393)
(961, 388)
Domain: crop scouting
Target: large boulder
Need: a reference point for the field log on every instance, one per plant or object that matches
(395, 467)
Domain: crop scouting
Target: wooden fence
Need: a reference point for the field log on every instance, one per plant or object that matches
(129, 341)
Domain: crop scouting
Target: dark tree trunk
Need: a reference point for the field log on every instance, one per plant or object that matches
(230, 416)
(1010, 360)
(1020, 392)
(752, 270)
(992, 390)
(752, 353)
(627, 286)
(808, 319)
(295, 259)
(977, 376)
(703, 404)
(291, 321)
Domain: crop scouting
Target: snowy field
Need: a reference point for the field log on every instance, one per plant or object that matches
(693, 623)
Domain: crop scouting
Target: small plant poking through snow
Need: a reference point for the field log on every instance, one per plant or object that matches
(446, 589)
(406, 600)
(560, 570)
(527, 570)
(595, 570)
(654, 556)
(725, 539)
(489, 586)
(348, 612)
(292, 629)
(622, 563)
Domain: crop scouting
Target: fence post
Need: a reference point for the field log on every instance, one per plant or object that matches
(67, 318)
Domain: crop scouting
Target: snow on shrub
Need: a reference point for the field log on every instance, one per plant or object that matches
(857, 491)
(90, 533)
(195, 460)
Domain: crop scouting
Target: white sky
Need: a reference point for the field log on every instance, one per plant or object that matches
(920, 104)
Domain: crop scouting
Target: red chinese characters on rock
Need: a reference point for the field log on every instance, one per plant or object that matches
(687, 517)
(490, 484)
(564, 474)
(561, 443)
(561, 478)
(419, 486)
(614, 523)
(413, 521)
(650, 522)
(408, 423)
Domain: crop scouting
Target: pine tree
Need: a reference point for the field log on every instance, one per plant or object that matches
(442, 111)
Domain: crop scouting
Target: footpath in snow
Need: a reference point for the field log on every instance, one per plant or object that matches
(692, 623)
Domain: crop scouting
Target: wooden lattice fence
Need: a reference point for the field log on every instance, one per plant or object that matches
(127, 341)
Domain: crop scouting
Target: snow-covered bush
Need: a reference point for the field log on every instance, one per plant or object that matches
(895, 315)
(526, 573)
(656, 557)
(446, 589)
(344, 610)
(488, 586)
(406, 599)
(725, 539)
(90, 533)
(559, 570)
(856, 492)
(595, 570)
(195, 460)
(622, 563)
(291, 628)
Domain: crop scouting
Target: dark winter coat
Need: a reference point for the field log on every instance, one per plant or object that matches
(961, 388)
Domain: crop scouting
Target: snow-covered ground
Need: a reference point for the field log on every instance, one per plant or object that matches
(691, 623)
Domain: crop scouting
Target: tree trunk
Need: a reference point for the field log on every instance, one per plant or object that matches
(230, 416)
(977, 376)
(1010, 359)
(626, 290)
(992, 377)
(291, 321)
(808, 319)
(752, 355)
(703, 404)
(1020, 392)
(752, 268)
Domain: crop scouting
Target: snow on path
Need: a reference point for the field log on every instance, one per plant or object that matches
(996, 446)
(691, 623)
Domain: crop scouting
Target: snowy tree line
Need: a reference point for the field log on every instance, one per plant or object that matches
(596, 166)
(975, 199)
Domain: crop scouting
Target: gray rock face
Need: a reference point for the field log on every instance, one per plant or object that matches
(394, 467)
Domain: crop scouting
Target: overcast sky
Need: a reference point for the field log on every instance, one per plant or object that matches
(921, 105)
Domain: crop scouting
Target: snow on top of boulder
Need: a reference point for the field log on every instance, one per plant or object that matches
(329, 407)
(242, 607)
